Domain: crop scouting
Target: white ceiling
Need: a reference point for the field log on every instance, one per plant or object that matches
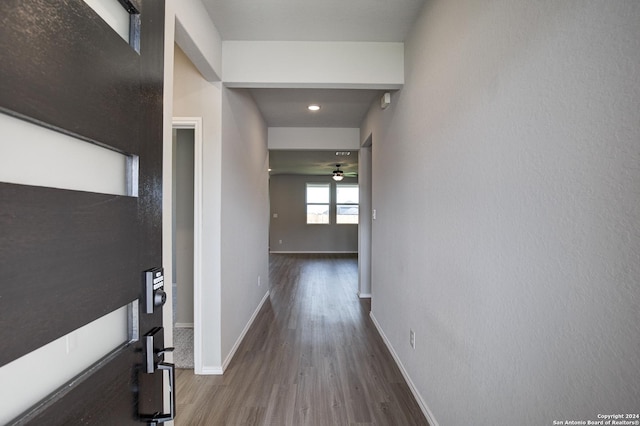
(313, 20)
(338, 107)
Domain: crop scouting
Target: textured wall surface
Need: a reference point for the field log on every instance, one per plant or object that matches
(514, 151)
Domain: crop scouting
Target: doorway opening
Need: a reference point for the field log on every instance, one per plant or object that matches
(367, 215)
(186, 245)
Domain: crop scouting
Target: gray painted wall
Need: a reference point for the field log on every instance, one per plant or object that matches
(183, 205)
(513, 151)
(287, 196)
(245, 214)
(196, 97)
(235, 212)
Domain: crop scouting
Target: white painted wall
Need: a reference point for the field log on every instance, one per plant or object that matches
(506, 181)
(245, 214)
(193, 96)
(313, 138)
(198, 37)
(347, 65)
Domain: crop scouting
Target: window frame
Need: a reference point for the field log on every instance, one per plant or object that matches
(327, 204)
(344, 204)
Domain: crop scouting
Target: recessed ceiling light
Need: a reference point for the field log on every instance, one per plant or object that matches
(313, 107)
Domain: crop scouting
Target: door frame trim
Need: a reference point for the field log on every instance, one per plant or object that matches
(195, 123)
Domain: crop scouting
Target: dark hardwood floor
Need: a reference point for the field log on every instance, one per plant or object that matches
(312, 357)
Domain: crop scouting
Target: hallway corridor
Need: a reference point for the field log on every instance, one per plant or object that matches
(312, 357)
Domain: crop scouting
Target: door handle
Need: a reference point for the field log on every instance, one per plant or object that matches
(154, 361)
(156, 419)
(152, 355)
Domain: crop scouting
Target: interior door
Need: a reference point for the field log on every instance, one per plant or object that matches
(69, 257)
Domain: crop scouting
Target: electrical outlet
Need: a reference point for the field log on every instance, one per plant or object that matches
(279, 241)
(412, 338)
(259, 281)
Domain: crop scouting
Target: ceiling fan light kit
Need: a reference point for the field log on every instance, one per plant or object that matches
(338, 174)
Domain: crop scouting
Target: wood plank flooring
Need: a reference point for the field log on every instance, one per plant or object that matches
(312, 357)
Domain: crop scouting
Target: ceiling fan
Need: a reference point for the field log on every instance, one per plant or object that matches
(338, 174)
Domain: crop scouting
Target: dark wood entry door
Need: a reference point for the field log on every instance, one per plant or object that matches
(69, 257)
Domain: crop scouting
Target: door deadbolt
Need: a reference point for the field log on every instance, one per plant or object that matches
(159, 297)
(154, 293)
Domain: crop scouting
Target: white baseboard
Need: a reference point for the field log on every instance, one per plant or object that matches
(312, 252)
(212, 371)
(183, 325)
(423, 405)
(364, 295)
(229, 357)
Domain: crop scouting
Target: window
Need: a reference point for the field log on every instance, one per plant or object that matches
(122, 16)
(318, 200)
(347, 200)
